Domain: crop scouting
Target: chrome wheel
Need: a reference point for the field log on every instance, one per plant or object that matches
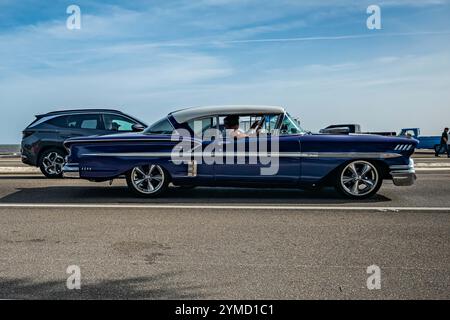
(53, 163)
(359, 178)
(148, 179)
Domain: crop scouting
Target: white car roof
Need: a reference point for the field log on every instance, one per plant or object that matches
(199, 112)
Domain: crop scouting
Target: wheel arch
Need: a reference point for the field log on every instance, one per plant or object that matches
(154, 191)
(331, 177)
(162, 163)
(47, 148)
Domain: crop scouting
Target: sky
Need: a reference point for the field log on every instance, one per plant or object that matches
(317, 59)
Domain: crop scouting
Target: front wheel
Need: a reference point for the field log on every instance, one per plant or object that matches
(148, 180)
(359, 180)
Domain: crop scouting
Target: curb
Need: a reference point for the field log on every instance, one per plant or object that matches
(19, 170)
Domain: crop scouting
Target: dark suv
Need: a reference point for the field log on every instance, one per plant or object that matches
(42, 142)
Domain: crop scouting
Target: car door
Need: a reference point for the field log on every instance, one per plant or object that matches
(234, 163)
(267, 158)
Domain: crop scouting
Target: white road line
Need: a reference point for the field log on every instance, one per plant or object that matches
(432, 169)
(216, 207)
(431, 164)
(18, 170)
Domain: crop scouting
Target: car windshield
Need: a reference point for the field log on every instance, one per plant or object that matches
(290, 126)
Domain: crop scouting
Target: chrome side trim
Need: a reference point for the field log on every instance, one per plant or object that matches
(360, 155)
(123, 140)
(352, 155)
(127, 140)
(131, 154)
(403, 147)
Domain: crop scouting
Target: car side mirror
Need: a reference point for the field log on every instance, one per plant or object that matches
(137, 127)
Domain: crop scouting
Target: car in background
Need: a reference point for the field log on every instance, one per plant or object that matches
(355, 165)
(425, 142)
(42, 141)
(352, 128)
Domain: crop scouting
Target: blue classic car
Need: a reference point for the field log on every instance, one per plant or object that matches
(241, 146)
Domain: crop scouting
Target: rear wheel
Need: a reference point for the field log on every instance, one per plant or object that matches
(51, 163)
(148, 180)
(359, 180)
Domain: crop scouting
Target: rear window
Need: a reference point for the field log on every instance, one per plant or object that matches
(60, 122)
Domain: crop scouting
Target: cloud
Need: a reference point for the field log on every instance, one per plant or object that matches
(342, 37)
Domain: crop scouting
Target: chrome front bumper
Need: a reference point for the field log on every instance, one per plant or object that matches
(403, 175)
(71, 171)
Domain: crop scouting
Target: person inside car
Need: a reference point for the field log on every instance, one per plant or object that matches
(115, 126)
(231, 124)
(257, 128)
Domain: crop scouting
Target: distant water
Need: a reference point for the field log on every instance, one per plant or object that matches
(9, 149)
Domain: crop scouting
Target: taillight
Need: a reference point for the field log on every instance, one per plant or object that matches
(26, 134)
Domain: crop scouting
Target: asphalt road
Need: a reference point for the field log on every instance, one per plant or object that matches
(194, 248)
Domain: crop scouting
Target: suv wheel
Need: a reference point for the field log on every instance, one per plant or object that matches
(51, 163)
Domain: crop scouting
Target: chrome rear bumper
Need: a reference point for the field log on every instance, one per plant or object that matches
(403, 175)
(71, 171)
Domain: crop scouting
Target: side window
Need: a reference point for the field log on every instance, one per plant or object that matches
(199, 126)
(410, 133)
(60, 122)
(270, 123)
(118, 123)
(245, 122)
(161, 127)
(84, 121)
(89, 124)
(72, 122)
(250, 123)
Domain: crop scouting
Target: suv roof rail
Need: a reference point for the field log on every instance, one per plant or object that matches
(76, 111)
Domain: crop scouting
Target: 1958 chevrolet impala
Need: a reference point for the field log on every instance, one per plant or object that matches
(275, 152)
